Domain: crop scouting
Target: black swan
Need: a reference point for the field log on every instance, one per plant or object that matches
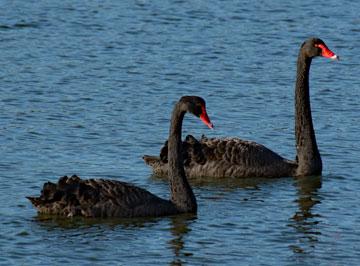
(233, 157)
(110, 198)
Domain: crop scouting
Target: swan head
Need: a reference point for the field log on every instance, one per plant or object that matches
(316, 47)
(197, 106)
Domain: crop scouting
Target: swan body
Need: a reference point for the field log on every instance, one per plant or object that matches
(233, 157)
(225, 157)
(73, 196)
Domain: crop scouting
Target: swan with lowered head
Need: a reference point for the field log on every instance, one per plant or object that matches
(110, 198)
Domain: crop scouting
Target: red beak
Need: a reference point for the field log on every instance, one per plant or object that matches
(326, 52)
(205, 118)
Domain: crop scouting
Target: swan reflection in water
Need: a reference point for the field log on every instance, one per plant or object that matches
(80, 229)
(179, 228)
(305, 221)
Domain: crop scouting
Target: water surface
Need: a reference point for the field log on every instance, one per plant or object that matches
(88, 88)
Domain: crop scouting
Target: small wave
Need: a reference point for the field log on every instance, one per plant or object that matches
(19, 25)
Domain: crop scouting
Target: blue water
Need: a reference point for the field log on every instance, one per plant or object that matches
(87, 87)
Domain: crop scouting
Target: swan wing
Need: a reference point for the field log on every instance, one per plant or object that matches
(225, 157)
(97, 198)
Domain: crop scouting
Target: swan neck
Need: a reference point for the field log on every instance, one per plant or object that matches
(181, 193)
(308, 156)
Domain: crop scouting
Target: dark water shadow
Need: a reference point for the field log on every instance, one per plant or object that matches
(19, 25)
(226, 182)
(179, 227)
(78, 222)
(305, 221)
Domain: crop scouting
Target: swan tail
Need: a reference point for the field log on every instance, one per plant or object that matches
(151, 160)
(36, 201)
(193, 152)
(64, 197)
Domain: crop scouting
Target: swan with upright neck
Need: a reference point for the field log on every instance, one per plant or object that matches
(233, 157)
(110, 198)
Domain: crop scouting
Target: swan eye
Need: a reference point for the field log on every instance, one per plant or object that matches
(319, 45)
(198, 109)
